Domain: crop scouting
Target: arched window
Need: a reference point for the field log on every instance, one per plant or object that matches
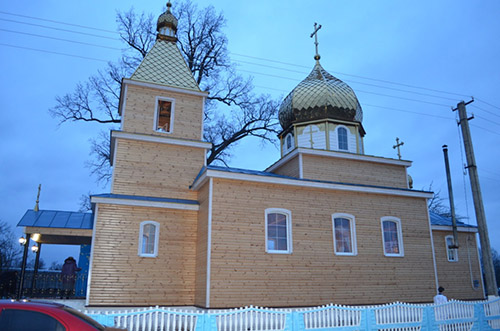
(342, 138)
(392, 236)
(451, 253)
(148, 238)
(278, 231)
(289, 142)
(344, 234)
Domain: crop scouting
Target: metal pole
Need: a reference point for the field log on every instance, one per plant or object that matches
(450, 195)
(23, 266)
(35, 272)
(489, 271)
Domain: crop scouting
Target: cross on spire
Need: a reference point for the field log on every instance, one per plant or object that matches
(397, 146)
(315, 34)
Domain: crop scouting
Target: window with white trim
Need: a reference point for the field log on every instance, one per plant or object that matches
(451, 253)
(342, 138)
(278, 231)
(392, 236)
(148, 238)
(164, 114)
(344, 234)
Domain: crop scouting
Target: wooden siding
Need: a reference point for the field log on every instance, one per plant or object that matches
(244, 274)
(139, 115)
(155, 169)
(121, 278)
(353, 171)
(59, 231)
(457, 277)
(290, 168)
(201, 247)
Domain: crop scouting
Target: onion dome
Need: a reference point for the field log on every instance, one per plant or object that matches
(167, 24)
(320, 96)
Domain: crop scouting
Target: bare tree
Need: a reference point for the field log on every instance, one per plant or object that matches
(439, 205)
(232, 111)
(9, 249)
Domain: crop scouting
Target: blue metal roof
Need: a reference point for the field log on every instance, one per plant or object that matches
(437, 219)
(57, 219)
(143, 198)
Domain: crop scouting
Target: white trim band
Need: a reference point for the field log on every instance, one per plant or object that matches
(450, 228)
(160, 139)
(145, 203)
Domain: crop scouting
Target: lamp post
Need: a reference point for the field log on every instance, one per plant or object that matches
(36, 248)
(26, 243)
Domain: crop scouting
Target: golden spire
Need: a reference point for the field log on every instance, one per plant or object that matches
(315, 34)
(38, 198)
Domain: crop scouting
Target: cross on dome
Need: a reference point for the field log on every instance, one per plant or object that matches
(315, 34)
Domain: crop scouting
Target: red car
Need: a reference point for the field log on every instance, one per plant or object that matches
(44, 316)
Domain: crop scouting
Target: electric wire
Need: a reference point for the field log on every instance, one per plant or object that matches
(236, 54)
(60, 29)
(52, 52)
(60, 39)
(58, 22)
(241, 61)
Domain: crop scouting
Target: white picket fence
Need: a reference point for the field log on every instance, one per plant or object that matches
(451, 316)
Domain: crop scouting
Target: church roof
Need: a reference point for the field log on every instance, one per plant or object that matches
(57, 219)
(165, 65)
(437, 219)
(320, 96)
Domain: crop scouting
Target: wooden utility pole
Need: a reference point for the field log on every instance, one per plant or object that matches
(489, 271)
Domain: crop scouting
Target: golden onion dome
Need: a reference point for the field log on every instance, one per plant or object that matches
(320, 96)
(167, 23)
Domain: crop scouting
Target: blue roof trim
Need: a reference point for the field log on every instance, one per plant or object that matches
(270, 174)
(57, 219)
(143, 198)
(437, 219)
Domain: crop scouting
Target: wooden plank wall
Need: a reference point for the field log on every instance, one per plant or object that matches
(154, 169)
(352, 171)
(457, 277)
(201, 247)
(139, 116)
(121, 278)
(244, 274)
(290, 168)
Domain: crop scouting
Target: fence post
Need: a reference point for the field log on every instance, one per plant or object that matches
(297, 321)
(369, 318)
(428, 318)
(479, 312)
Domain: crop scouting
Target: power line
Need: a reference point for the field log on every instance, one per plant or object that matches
(357, 76)
(490, 121)
(51, 52)
(60, 39)
(409, 111)
(59, 29)
(58, 22)
(489, 112)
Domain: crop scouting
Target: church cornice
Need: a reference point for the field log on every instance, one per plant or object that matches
(140, 201)
(274, 179)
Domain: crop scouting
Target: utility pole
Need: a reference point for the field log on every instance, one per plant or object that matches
(484, 239)
(450, 196)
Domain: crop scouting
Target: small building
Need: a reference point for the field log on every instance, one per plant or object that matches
(326, 223)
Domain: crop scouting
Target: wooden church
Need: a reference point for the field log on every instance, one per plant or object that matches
(325, 223)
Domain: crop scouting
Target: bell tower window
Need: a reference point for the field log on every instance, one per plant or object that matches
(342, 136)
(164, 115)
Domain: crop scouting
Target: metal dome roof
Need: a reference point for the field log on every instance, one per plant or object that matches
(167, 19)
(320, 96)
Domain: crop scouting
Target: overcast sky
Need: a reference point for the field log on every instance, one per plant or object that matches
(408, 62)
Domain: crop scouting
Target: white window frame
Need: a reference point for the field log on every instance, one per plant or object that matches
(450, 249)
(155, 124)
(287, 149)
(352, 226)
(157, 236)
(288, 215)
(400, 235)
(346, 138)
